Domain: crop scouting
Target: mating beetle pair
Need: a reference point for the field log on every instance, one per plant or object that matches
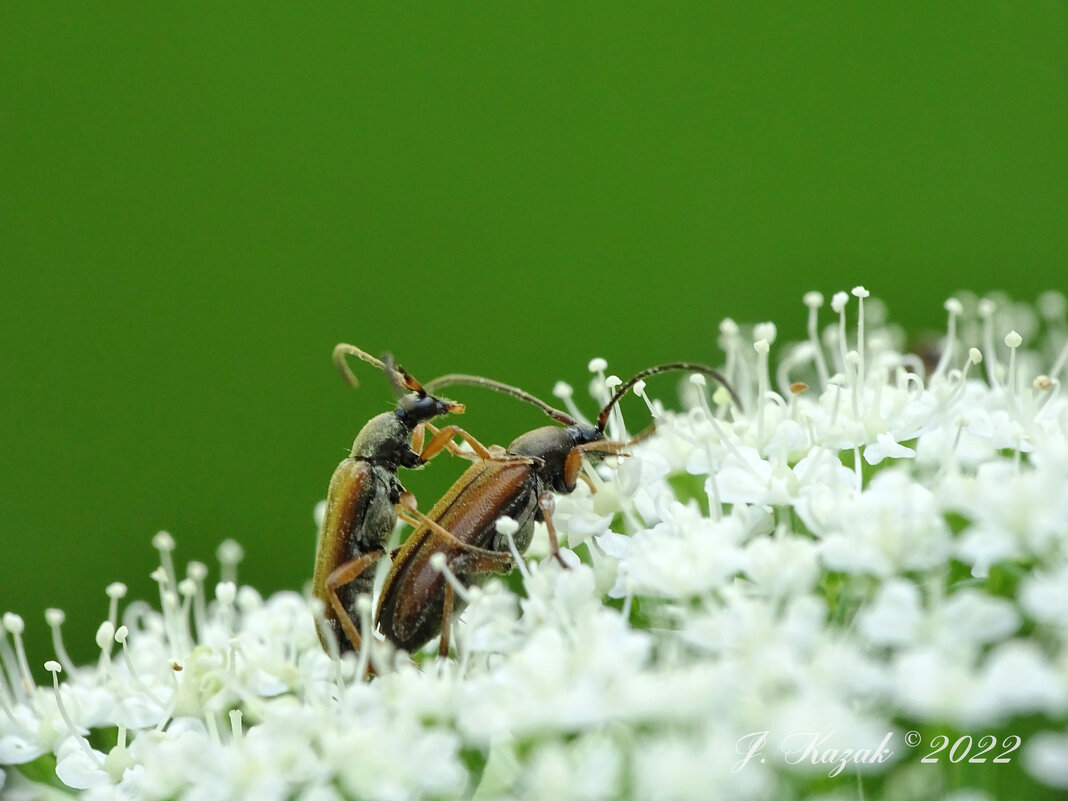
(417, 602)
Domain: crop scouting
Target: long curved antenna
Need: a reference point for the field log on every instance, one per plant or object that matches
(454, 379)
(343, 349)
(399, 378)
(602, 418)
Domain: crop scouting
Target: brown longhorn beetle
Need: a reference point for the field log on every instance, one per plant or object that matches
(417, 600)
(365, 493)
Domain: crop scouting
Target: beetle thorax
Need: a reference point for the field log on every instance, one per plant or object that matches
(552, 445)
(386, 439)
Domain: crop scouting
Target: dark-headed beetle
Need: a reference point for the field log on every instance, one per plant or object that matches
(417, 601)
(364, 493)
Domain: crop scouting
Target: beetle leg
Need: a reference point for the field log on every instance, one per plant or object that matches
(464, 559)
(443, 439)
(407, 502)
(589, 483)
(471, 558)
(607, 447)
(418, 435)
(547, 504)
(341, 576)
(446, 622)
(572, 467)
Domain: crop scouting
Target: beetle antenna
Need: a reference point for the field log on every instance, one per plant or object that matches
(343, 349)
(400, 378)
(507, 389)
(602, 418)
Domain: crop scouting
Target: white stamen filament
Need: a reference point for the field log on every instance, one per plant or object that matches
(105, 639)
(761, 347)
(699, 380)
(198, 571)
(639, 390)
(954, 309)
(616, 428)
(508, 527)
(1012, 340)
(5, 705)
(121, 635)
(187, 588)
(15, 625)
(440, 563)
(229, 554)
(1058, 365)
(987, 308)
(115, 591)
(838, 304)
(814, 300)
(54, 668)
(55, 618)
(860, 293)
(225, 593)
(9, 668)
(852, 372)
(237, 734)
(736, 370)
(164, 543)
(836, 382)
(564, 392)
(598, 386)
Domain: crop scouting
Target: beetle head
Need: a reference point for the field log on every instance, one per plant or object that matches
(416, 405)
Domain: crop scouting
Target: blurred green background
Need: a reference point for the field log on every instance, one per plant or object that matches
(198, 200)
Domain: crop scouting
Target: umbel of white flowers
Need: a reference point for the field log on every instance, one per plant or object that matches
(786, 601)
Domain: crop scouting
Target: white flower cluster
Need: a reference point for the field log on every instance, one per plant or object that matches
(789, 600)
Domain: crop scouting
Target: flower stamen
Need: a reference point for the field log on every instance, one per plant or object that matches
(15, 626)
(229, 553)
(55, 618)
(860, 293)
(508, 527)
(955, 308)
(53, 667)
(121, 635)
(814, 300)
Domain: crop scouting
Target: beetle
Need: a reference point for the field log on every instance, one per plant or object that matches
(365, 493)
(417, 601)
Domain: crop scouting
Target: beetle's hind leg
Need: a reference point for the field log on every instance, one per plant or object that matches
(461, 559)
(338, 578)
(446, 621)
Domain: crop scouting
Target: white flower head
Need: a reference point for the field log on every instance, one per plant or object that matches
(851, 538)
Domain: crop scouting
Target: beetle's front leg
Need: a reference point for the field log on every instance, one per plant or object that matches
(442, 439)
(547, 504)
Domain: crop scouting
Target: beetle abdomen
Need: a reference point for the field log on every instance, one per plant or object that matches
(359, 519)
(411, 608)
